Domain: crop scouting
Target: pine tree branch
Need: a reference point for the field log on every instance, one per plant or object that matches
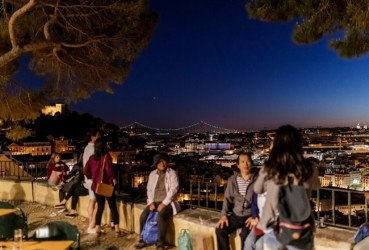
(18, 51)
(14, 17)
(4, 9)
(46, 27)
(69, 45)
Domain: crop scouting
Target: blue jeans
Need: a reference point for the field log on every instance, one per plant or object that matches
(253, 242)
(271, 243)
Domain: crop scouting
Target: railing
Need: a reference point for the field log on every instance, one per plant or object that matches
(27, 170)
(336, 215)
(344, 208)
(202, 194)
(131, 182)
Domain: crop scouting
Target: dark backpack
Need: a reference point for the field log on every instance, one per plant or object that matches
(294, 225)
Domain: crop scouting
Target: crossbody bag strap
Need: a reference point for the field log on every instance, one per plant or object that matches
(102, 169)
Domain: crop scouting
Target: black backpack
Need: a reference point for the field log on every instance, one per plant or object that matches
(294, 225)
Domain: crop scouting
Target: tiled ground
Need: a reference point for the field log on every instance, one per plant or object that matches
(40, 214)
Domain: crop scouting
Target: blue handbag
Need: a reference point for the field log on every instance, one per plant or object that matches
(362, 232)
(149, 233)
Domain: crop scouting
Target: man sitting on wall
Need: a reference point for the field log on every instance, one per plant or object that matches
(162, 189)
(236, 211)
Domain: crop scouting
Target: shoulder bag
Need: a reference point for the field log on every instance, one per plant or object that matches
(184, 240)
(102, 188)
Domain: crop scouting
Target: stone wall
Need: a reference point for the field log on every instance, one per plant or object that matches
(200, 222)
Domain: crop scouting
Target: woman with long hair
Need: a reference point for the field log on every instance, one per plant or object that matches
(74, 188)
(101, 158)
(285, 161)
(56, 171)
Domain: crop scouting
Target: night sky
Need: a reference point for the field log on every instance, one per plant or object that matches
(209, 62)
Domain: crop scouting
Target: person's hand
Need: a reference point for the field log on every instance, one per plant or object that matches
(160, 207)
(256, 221)
(221, 222)
(152, 207)
(248, 222)
(251, 222)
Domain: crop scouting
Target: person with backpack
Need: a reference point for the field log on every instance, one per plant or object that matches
(287, 178)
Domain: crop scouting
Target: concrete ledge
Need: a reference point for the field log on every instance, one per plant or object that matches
(332, 238)
(200, 222)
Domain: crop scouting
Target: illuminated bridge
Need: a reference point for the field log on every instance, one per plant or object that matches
(200, 127)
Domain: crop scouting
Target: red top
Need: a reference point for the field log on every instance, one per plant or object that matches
(92, 170)
(58, 167)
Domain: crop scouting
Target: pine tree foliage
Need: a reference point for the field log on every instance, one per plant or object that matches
(77, 47)
(18, 133)
(348, 19)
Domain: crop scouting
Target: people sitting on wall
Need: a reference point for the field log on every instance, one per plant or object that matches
(56, 172)
(236, 211)
(162, 189)
(73, 187)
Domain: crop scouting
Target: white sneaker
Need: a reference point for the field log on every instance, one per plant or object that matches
(52, 214)
(62, 210)
(91, 230)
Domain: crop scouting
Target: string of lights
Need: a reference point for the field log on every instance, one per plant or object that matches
(201, 124)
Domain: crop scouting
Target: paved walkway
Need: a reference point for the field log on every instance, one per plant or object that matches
(39, 215)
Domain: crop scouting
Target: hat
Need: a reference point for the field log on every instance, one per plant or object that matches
(157, 158)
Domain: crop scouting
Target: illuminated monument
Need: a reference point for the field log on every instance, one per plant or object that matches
(53, 109)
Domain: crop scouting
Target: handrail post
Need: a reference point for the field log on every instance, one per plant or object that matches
(207, 194)
(198, 194)
(366, 209)
(349, 208)
(118, 180)
(191, 194)
(333, 206)
(318, 206)
(16, 167)
(216, 195)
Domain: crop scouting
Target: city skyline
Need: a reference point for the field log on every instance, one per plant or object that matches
(209, 62)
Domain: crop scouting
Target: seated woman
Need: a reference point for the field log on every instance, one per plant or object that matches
(74, 188)
(56, 170)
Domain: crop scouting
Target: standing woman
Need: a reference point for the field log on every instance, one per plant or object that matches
(92, 171)
(285, 159)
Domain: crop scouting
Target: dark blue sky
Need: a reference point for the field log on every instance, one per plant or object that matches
(208, 61)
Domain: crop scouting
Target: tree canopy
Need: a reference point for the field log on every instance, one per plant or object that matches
(77, 47)
(348, 19)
